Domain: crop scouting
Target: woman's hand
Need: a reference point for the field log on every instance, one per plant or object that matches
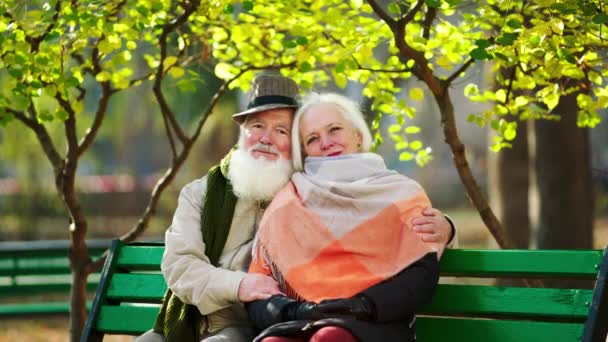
(433, 226)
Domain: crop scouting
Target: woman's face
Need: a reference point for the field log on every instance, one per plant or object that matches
(325, 132)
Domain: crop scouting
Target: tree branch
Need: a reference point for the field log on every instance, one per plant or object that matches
(382, 14)
(43, 138)
(35, 41)
(422, 70)
(157, 89)
(409, 16)
(458, 72)
(429, 17)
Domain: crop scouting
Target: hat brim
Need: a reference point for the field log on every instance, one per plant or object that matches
(240, 117)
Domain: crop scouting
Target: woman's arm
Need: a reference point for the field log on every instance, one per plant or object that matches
(407, 292)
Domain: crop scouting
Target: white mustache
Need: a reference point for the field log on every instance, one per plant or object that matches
(264, 148)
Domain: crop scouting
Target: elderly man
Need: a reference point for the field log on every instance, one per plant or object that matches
(208, 245)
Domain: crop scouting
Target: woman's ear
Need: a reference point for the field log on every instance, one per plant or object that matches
(359, 140)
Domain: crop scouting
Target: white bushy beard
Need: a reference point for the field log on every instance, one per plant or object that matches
(257, 179)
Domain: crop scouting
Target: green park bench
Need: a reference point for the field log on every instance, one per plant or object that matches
(35, 276)
(131, 289)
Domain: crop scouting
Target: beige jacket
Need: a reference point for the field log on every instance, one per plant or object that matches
(187, 269)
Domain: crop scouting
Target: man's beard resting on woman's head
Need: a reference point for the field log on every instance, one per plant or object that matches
(257, 179)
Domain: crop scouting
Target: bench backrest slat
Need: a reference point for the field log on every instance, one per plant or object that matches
(515, 302)
(140, 258)
(137, 287)
(521, 263)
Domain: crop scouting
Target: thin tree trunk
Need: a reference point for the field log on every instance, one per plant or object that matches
(563, 170)
(509, 183)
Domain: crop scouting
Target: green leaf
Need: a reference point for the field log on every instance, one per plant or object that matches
(534, 40)
(480, 54)
(511, 132)
(45, 116)
(72, 82)
(514, 23)
(394, 128)
(340, 80)
(483, 43)
(412, 129)
(416, 145)
(305, 67)
(588, 9)
(600, 18)
(566, 55)
(563, 8)
(61, 114)
(340, 66)
(52, 36)
(551, 100)
(416, 94)
(402, 145)
(5, 118)
(301, 41)
(247, 5)
(405, 156)
(453, 2)
(176, 72)
(229, 9)
(394, 8)
(506, 39)
(433, 3)
(289, 44)
(16, 71)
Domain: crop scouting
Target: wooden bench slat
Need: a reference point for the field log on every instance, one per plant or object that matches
(440, 329)
(519, 263)
(510, 301)
(33, 289)
(128, 320)
(144, 287)
(41, 308)
(140, 257)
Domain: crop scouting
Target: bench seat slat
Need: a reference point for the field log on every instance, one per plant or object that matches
(432, 329)
(144, 287)
(140, 257)
(128, 320)
(476, 300)
(520, 263)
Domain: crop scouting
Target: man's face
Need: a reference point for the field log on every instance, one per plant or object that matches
(268, 134)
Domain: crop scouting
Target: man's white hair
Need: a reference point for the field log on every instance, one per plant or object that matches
(347, 107)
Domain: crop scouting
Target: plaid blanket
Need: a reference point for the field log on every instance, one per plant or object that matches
(339, 227)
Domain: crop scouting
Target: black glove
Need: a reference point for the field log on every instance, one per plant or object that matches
(359, 307)
(302, 310)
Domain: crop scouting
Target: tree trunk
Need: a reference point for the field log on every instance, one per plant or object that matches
(563, 170)
(78, 301)
(509, 183)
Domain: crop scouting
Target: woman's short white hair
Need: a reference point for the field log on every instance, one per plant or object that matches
(347, 107)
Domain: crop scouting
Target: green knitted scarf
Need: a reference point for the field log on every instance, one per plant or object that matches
(180, 322)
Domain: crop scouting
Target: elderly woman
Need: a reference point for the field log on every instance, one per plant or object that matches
(338, 238)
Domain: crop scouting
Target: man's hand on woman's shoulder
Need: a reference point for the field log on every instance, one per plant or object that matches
(433, 226)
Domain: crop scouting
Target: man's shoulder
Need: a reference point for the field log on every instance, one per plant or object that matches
(198, 186)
